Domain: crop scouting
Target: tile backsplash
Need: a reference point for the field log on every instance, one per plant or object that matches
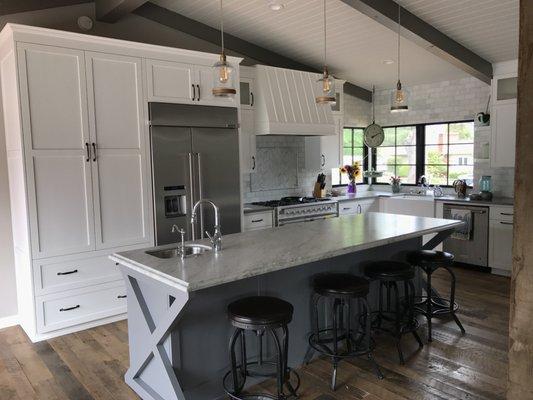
(280, 170)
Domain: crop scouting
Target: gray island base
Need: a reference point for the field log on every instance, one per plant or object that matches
(177, 325)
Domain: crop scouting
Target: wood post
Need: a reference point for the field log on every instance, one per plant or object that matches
(520, 382)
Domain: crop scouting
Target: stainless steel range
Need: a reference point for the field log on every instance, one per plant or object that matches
(290, 210)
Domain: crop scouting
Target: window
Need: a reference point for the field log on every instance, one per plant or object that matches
(397, 155)
(353, 150)
(449, 153)
(442, 152)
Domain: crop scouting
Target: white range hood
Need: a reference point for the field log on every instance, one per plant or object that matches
(285, 104)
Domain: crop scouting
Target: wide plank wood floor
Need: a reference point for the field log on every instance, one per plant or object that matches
(91, 364)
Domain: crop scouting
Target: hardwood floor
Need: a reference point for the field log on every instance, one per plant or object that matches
(91, 364)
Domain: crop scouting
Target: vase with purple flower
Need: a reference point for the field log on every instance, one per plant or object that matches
(353, 171)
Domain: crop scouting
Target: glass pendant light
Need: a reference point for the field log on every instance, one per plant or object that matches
(223, 72)
(326, 83)
(399, 96)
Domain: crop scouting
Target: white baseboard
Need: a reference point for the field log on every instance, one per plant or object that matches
(6, 322)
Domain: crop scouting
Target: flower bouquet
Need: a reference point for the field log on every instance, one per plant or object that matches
(354, 172)
(395, 182)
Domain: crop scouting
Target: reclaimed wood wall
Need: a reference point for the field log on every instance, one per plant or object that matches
(520, 381)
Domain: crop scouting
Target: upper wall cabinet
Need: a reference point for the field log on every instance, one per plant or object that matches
(503, 114)
(114, 85)
(174, 82)
(53, 85)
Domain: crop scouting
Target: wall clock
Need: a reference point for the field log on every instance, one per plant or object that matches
(373, 134)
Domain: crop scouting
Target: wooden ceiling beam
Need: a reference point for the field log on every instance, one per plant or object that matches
(205, 32)
(425, 35)
(113, 10)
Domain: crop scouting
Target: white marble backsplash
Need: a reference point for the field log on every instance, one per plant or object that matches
(280, 170)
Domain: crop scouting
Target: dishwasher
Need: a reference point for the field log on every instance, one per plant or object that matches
(470, 246)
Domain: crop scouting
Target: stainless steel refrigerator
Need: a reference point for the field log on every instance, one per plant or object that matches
(195, 155)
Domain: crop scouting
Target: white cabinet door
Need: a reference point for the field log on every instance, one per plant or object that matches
(121, 193)
(501, 245)
(61, 206)
(246, 93)
(115, 101)
(204, 89)
(330, 147)
(248, 141)
(53, 93)
(503, 122)
(171, 82)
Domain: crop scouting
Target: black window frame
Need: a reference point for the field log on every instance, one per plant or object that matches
(421, 150)
(365, 155)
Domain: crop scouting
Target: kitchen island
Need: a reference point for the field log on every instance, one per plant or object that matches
(178, 330)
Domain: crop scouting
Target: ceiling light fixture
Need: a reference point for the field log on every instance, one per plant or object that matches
(275, 5)
(399, 96)
(223, 72)
(326, 82)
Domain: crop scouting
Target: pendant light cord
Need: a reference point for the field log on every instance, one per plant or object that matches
(325, 45)
(373, 104)
(222, 26)
(399, 27)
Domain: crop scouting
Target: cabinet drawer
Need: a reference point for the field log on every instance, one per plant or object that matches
(502, 213)
(62, 310)
(259, 220)
(348, 207)
(56, 276)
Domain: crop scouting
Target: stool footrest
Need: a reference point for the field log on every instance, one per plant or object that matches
(320, 346)
(439, 305)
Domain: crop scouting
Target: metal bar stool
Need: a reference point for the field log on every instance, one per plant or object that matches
(399, 318)
(433, 305)
(261, 315)
(344, 292)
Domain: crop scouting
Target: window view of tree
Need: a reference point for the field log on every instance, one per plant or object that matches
(353, 149)
(449, 153)
(397, 155)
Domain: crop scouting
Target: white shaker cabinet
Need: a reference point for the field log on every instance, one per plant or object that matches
(56, 144)
(175, 82)
(170, 82)
(501, 239)
(351, 207)
(118, 158)
(503, 129)
(248, 141)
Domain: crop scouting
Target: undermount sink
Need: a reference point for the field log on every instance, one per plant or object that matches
(190, 250)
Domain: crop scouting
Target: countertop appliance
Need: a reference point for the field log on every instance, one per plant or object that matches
(471, 245)
(195, 155)
(290, 210)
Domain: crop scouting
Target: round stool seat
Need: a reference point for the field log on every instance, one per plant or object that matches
(254, 311)
(340, 285)
(430, 258)
(390, 271)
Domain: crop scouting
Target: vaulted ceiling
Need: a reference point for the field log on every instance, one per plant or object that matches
(357, 44)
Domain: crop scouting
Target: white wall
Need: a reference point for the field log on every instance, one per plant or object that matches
(131, 27)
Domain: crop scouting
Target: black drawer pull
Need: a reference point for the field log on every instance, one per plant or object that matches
(69, 308)
(121, 296)
(346, 208)
(68, 272)
(257, 220)
(506, 223)
(508, 214)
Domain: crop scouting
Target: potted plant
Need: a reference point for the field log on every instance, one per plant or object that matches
(354, 172)
(395, 182)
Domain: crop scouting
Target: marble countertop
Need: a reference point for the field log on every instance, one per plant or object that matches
(362, 196)
(254, 253)
(496, 201)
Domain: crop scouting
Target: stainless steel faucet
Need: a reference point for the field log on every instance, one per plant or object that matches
(181, 249)
(216, 239)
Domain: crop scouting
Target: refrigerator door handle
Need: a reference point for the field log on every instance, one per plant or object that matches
(200, 193)
(191, 184)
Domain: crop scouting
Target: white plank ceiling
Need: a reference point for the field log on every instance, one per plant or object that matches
(357, 45)
(487, 27)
